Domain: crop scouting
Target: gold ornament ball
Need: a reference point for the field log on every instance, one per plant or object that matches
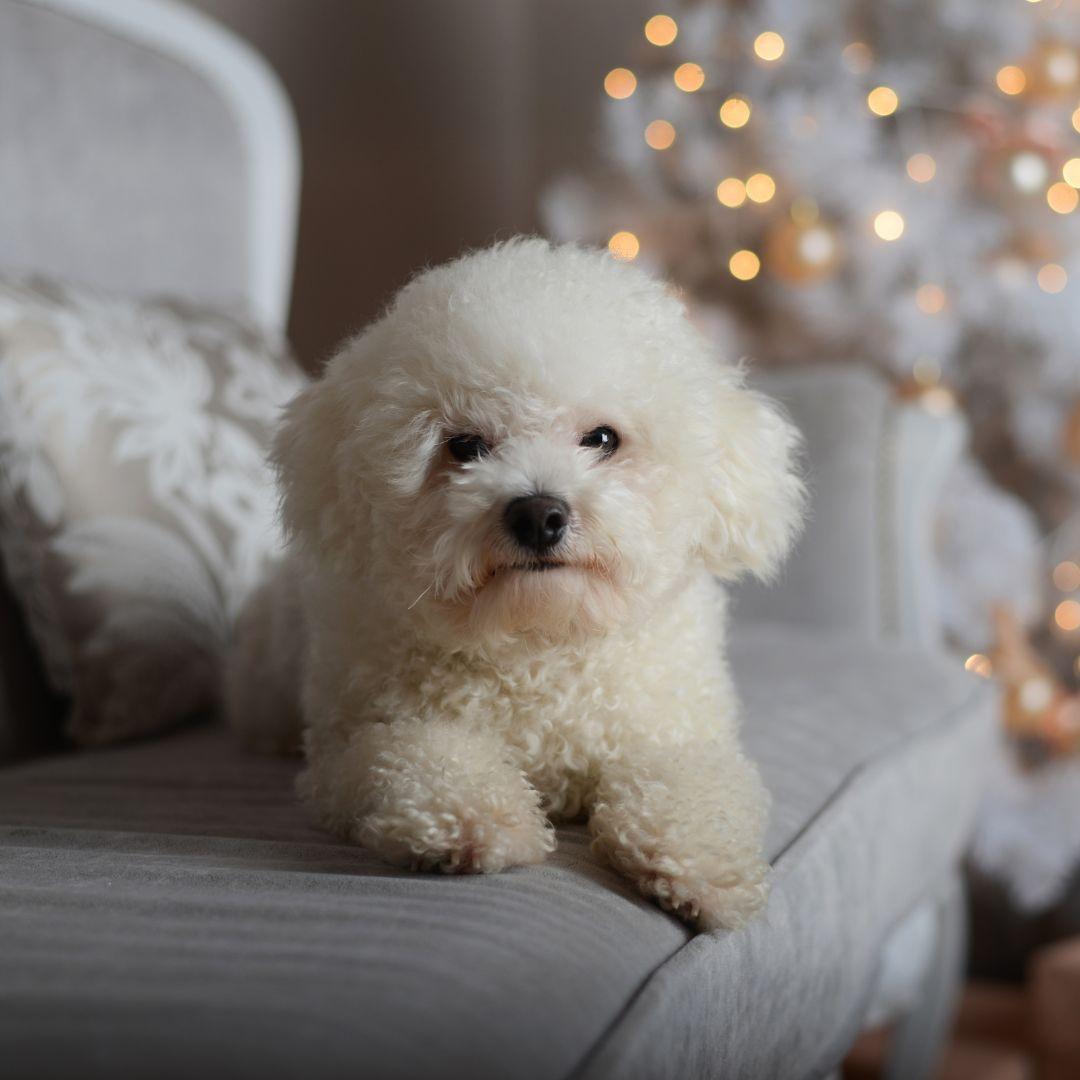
(802, 254)
(1053, 70)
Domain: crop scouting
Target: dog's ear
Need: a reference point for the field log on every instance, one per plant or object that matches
(754, 495)
(306, 454)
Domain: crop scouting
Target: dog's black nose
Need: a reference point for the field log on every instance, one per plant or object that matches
(537, 522)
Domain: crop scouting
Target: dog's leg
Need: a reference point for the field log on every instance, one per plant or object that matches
(685, 824)
(429, 794)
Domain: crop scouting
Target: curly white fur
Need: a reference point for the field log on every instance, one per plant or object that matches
(456, 701)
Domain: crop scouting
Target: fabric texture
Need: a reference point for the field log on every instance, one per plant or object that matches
(168, 907)
(120, 168)
(834, 577)
(136, 509)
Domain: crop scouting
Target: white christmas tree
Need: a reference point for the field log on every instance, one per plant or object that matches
(891, 182)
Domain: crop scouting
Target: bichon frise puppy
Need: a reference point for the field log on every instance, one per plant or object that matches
(508, 501)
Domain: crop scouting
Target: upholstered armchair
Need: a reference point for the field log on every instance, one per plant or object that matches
(167, 909)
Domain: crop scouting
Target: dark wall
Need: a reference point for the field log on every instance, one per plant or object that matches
(428, 126)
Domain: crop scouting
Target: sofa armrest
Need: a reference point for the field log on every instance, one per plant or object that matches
(875, 467)
(921, 450)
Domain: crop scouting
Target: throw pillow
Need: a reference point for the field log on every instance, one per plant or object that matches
(136, 506)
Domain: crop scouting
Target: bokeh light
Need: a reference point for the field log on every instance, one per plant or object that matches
(661, 30)
(731, 192)
(882, 101)
(1067, 615)
(979, 664)
(620, 83)
(624, 245)
(889, 225)
(760, 187)
(930, 298)
(1028, 171)
(1011, 79)
(735, 112)
(1062, 198)
(769, 45)
(1052, 278)
(1071, 172)
(660, 134)
(744, 265)
(1067, 576)
(689, 77)
(921, 168)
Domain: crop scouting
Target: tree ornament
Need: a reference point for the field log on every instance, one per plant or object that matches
(802, 253)
(1052, 70)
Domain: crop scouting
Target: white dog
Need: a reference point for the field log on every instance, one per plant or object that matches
(507, 500)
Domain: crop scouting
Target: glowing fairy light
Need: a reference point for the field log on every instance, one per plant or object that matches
(661, 30)
(1062, 198)
(744, 265)
(689, 77)
(921, 168)
(1067, 615)
(1052, 278)
(735, 112)
(882, 101)
(980, 665)
(660, 134)
(1028, 171)
(620, 83)
(760, 187)
(769, 46)
(624, 245)
(1011, 80)
(889, 225)
(731, 192)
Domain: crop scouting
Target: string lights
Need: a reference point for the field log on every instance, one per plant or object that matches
(803, 249)
(741, 116)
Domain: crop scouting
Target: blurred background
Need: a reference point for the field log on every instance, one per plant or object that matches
(425, 128)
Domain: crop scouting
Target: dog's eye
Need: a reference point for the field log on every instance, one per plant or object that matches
(467, 447)
(604, 439)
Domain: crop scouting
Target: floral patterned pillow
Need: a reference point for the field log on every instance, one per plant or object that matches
(136, 505)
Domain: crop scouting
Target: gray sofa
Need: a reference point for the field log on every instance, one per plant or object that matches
(167, 909)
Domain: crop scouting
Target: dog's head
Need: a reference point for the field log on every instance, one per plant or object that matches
(534, 441)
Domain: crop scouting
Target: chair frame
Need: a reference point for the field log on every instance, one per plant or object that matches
(261, 108)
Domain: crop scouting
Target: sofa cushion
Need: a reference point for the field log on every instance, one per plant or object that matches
(136, 506)
(166, 907)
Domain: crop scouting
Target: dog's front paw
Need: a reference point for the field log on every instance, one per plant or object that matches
(476, 839)
(430, 795)
(710, 905)
(685, 825)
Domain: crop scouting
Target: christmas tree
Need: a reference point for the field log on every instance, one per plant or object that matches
(892, 182)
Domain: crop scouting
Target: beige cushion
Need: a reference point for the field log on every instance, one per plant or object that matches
(137, 509)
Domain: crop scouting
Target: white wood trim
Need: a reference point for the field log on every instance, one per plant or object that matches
(262, 110)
